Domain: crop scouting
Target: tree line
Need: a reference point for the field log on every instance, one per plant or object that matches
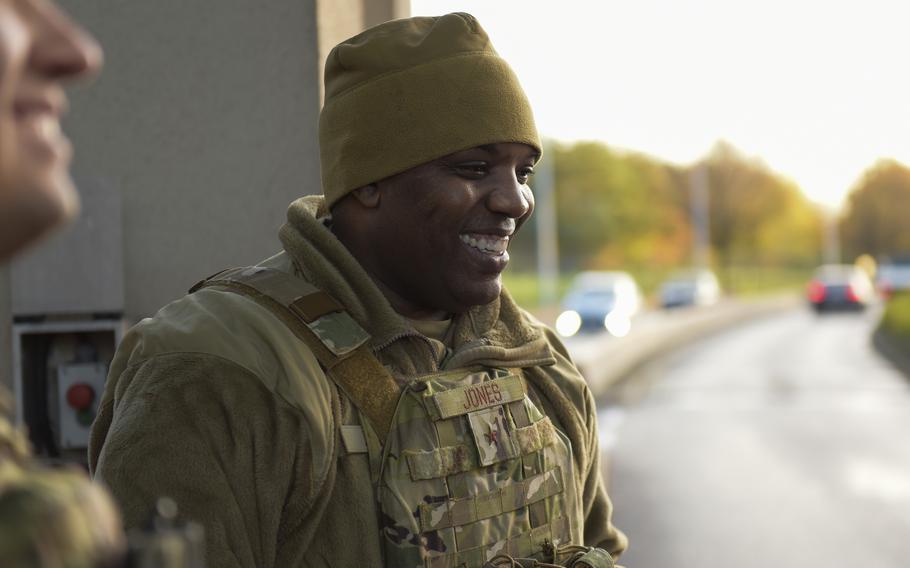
(876, 219)
(623, 210)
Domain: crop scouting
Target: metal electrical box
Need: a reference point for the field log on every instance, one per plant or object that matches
(59, 372)
(79, 389)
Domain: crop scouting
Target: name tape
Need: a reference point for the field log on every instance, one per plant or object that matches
(479, 396)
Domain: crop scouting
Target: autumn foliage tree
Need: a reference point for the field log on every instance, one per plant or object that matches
(757, 216)
(878, 209)
(617, 209)
(621, 210)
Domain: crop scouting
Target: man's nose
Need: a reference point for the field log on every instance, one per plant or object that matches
(61, 49)
(510, 198)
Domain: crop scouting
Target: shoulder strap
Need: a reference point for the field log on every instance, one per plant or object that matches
(336, 340)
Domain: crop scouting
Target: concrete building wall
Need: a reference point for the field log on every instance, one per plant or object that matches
(204, 125)
(205, 120)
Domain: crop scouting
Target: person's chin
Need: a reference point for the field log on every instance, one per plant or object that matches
(482, 293)
(35, 210)
(52, 196)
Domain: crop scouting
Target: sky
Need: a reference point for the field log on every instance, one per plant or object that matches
(818, 90)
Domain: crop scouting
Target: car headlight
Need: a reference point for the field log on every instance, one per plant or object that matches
(617, 324)
(568, 323)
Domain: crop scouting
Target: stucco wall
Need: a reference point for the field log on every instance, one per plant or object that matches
(204, 123)
(205, 120)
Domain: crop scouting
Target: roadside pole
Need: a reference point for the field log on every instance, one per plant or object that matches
(547, 244)
(698, 203)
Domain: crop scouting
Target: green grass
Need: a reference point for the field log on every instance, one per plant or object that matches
(741, 280)
(753, 280)
(525, 287)
(896, 319)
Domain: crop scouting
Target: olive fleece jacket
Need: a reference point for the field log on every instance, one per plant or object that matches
(217, 404)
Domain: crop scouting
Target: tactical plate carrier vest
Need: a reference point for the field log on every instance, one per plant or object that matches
(472, 469)
(466, 466)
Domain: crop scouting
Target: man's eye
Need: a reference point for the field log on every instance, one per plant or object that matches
(524, 174)
(472, 169)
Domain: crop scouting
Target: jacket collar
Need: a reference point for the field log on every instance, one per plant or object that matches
(499, 333)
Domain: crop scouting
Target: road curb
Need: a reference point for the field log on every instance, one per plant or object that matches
(620, 358)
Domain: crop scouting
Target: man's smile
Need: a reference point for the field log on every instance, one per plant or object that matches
(493, 245)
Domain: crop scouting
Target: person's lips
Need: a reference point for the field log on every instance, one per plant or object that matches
(34, 105)
(38, 118)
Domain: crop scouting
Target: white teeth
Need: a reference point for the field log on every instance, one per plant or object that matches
(489, 244)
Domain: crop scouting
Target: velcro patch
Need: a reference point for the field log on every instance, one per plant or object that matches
(454, 512)
(478, 396)
(338, 332)
(492, 436)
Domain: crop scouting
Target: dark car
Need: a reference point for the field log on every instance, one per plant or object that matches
(839, 286)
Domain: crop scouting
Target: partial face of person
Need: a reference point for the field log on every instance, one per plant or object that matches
(446, 226)
(40, 50)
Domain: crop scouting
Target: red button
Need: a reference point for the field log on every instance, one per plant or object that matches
(80, 396)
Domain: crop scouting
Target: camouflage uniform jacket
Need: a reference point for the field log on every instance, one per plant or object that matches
(51, 517)
(216, 403)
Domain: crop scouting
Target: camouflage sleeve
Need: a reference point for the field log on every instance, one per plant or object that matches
(235, 457)
(57, 518)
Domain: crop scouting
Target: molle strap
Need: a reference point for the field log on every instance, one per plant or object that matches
(455, 512)
(572, 423)
(450, 460)
(335, 339)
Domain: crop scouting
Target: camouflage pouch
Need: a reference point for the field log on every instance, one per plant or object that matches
(472, 469)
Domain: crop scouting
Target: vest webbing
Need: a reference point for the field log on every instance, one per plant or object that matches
(306, 310)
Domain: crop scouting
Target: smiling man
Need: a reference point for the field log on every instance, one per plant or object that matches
(372, 395)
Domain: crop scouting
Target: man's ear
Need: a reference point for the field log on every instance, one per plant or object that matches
(368, 195)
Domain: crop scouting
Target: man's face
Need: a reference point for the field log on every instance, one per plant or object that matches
(40, 49)
(442, 238)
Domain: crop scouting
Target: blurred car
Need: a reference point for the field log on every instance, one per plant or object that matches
(598, 301)
(892, 278)
(840, 286)
(690, 288)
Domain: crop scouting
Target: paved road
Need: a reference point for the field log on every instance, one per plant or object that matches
(782, 443)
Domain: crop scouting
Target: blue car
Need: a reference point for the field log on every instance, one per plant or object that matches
(600, 301)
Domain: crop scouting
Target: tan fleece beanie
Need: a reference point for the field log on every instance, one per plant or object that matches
(409, 91)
